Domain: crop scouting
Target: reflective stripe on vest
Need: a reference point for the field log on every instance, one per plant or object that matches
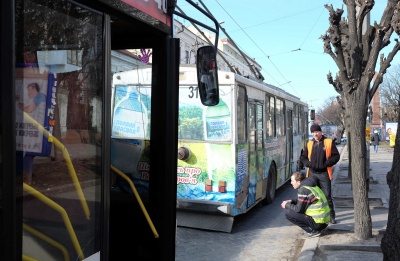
(320, 210)
(328, 153)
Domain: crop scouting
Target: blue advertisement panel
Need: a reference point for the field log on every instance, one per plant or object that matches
(130, 136)
(131, 112)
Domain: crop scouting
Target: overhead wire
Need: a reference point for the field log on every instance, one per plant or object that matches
(251, 39)
(277, 19)
(312, 27)
(268, 56)
(291, 51)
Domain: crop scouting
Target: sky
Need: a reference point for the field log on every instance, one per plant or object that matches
(284, 38)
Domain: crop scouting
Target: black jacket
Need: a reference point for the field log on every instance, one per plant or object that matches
(375, 139)
(319, 162)
(304, 197)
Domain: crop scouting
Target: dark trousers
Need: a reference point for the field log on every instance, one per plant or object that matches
(323, 181)
(307, 223)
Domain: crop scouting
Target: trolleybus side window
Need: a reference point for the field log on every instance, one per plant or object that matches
(280, 117)
(59, 141)
(295, 119)
(260, 129)
(252, 126)
(256, 125)
(301, 119)
(270, 116)
(241, 115)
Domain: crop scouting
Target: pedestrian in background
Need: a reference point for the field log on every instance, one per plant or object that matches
(375, 140)
(333, 137)
(309, 210)
(319, 156)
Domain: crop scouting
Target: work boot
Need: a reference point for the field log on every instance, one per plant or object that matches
(313, 233)
(333, 220)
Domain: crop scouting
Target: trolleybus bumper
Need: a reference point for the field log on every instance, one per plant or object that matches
(205, 215)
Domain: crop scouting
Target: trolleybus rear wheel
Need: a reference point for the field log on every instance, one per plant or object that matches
(271, 186)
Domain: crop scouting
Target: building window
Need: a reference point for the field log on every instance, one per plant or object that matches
(187, 57)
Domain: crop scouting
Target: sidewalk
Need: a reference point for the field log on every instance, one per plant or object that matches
(338, 241)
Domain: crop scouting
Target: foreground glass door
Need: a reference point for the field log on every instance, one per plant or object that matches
(59, 96)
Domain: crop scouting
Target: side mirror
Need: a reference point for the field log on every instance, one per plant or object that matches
(207, 75)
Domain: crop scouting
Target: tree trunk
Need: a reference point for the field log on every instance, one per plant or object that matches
(349, 176)
(391, 240)
(347, 121)
(362, 215)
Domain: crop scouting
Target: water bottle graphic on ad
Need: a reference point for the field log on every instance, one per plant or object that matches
(218, 122)
(130, 117)
(219, 159)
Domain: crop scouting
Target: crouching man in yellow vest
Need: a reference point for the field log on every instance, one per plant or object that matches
(310, 210)
(319, 156)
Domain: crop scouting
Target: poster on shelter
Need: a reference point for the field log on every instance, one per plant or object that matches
(390, 127)
(32, 93)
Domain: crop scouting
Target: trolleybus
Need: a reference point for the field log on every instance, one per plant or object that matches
(231, 156)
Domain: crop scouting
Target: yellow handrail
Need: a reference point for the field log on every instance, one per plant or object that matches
(68, 161)
(28, 258)
(63, 214)
(138, 199)
(47, 239)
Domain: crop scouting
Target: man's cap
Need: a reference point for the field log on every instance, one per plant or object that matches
(315, 127)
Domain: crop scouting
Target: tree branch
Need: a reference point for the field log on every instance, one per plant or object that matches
(365, 8)
(333, 36)
(389, 17)
(353, 46)
(337, 85)
(369, 70)
(384, 65)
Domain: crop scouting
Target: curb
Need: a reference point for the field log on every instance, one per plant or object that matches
(308, 249)
(364, 248)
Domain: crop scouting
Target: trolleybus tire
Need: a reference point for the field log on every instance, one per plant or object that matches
(271, 186)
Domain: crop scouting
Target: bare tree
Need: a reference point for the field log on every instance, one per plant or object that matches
(389, 93)
(355, 46)
(331, 112)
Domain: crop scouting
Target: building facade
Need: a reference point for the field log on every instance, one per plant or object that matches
(229, 57)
